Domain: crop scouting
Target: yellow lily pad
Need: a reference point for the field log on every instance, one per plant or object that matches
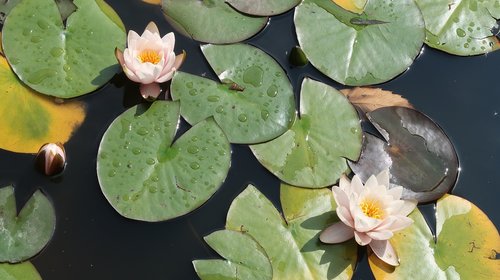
(465, 248)
(28, 119)
(355, 6)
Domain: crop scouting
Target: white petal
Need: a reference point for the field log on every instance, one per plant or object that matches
(356, 185)
(166, 77)
(394, 207)
(148, 72)
(371, 182)
(408, 207)
(132, 39)
(362, 238)
(383, 178)
(131, 61)
(130, 74)
(152, 28)
(341, 197)
(345, 216)
(399, 223)
(168, 41)
(150, 91)
(363, 223)
(336, 233)
(396, 192)
(380, 234)
(384, 251)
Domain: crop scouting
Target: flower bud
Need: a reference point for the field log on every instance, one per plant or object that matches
(51, 159)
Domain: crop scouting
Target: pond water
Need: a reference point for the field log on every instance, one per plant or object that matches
(92, 241)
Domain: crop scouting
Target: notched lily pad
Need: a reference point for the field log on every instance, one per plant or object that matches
(360, 49)
(211, 21)
(263, 7)
(313, 152)
(417, 152)
(20, 271)
(146, 177)
(465, 246)
(63, 61)
(24, 235)
(248, 261)
(461, 27)
(254, 103)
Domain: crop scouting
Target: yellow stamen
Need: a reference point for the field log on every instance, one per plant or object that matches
(372, 208)
(149, 56)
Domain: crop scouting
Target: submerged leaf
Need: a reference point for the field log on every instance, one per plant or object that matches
(25, 235)
(29, 119)
(211, 21)
(417, 152)
(263, 7)
(313, 152)
(369, 99)
(248, 261)
(63, 61)
(466, 241)
(20, 271)
(461, 27)
(146, 177)
(353, 49)
(254, 103)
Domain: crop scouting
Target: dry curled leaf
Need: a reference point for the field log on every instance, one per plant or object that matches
(370, 99)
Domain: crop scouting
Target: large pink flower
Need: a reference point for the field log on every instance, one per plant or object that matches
(150, 59)
(370, 214)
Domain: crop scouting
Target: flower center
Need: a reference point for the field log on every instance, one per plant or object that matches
(372, 208)
(149, 56)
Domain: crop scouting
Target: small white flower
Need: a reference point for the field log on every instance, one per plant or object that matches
(370, 213)
(150, 59)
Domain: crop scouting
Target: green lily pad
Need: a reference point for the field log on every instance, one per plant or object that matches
(66, 8)
(211, 21)
(20, 271)
(263, 7)
(146, 177)
(63, 61)
(254, 103)
(25, 235)
(417, 152)
(248, 262)
(292, 244)
(466, 245)
(313, 152)
(461, 27)
(360, 49)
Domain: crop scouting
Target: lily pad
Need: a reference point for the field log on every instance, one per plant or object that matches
(211, 21)
(369, 99)
(313, 152)
(20, 271)
(254, 103)
(417, 152)
(248, 262)
(146, 177)
(66, 8)
(63, 61)
(355, 6)
(25, 235)
(263, 7)
(461, 27)
(291, 244)
(354, 49)
(465, 247)
(29, 119)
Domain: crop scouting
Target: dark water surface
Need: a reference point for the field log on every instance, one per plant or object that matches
(92, 241)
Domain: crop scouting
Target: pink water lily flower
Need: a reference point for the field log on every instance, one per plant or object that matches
(370, 213)
(150, 59)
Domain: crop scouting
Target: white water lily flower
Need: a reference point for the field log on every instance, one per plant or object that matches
(369, 213)
(150, 59)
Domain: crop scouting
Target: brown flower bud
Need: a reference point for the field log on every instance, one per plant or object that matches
(51, 159)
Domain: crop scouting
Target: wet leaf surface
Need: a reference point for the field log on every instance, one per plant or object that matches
(313, 152)
(263, 7)
(20, 271)
(211, 21)
(66, 8)
(417, 152)
(63, 61)
(461, 27)
(146, 177)
(466, 241)
(353, 49)
(369, 99)
(254, 103)
(24, 235)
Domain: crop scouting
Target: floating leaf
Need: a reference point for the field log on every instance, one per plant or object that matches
(263, 7)
(212, 21)
(465, 248)
(254, 103)
(417, 152)
(152, 2)
(146, 177)
(353, 49)
(370, 99)
(355, 6)
(63, 61)
(247, 262)
(461, 27)
(66, 8)
(20, 271)
(30, 120)
(292, 244)
(312, 153)
(23, 236)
